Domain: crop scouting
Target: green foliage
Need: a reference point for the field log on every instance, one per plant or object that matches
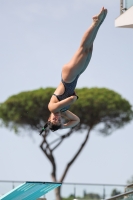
(102, 106)
(26, 109)
(89, 196)
(92, 196)
(115, 192)
(71, 197)
(95, 106)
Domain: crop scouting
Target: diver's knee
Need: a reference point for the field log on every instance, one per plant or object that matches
(89, 50)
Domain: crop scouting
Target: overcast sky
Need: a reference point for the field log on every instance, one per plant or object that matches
(37, 37)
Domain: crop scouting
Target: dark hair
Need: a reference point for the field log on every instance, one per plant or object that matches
(51, 126)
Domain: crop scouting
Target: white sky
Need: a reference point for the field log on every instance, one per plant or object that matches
(38, 37)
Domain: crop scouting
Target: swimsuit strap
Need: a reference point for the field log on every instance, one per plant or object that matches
(56, 96)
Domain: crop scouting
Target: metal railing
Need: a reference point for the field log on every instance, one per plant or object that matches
(125, 5)
(129, 188)
(121, 195)
(75, 189)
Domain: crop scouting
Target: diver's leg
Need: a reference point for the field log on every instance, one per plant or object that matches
(88, 58)
(82, 57)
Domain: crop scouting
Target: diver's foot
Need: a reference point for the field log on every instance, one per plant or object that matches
(98, 19)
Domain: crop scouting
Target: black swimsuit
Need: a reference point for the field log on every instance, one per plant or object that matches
(69, 91)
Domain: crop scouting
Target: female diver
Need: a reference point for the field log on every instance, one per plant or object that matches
(64, 94)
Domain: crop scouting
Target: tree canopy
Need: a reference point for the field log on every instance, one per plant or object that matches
(95, 106)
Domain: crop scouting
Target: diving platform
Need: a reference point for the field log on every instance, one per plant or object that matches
(30, 191)
(125, 20)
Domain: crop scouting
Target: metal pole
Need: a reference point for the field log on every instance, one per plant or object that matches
(121, 6)
(13, 185)
(74, 191)
(104, 193)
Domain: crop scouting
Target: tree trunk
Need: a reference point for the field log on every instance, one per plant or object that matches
(58, 193)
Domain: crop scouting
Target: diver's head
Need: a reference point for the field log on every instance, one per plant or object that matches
(54, 121)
